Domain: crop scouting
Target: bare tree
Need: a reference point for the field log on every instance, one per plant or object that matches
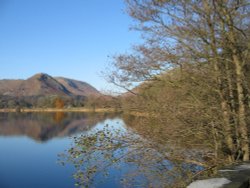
(203, 36)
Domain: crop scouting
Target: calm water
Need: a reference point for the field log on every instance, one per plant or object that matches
(31, 144)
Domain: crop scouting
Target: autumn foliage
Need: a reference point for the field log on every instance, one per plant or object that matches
(59, 103)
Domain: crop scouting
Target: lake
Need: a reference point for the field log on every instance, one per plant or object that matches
(80, 149)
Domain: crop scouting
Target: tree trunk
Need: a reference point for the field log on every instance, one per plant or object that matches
(221, 90)
(242, 111)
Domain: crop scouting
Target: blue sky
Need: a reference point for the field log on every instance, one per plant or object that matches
(70, 38)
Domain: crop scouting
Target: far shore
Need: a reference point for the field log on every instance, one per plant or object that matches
(87, 110)
(61, 110)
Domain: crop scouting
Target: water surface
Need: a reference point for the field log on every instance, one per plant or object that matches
(30, 144)
(56, 150)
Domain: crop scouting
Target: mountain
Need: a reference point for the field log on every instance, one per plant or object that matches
(77, 87)
(9, 87)
(44, 84)
(41, 84)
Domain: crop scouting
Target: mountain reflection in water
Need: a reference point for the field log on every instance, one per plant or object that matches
(30, 144)
(45, 126)
(104, 150)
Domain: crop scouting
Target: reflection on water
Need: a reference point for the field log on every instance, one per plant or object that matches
(27, 163)
(81, 149)
(142, 161)
(59, 116)
(45, 126)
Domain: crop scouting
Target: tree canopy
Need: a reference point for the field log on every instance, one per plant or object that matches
(199, 51)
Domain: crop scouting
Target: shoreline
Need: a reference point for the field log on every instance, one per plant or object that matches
(60, 110)
(86, 110)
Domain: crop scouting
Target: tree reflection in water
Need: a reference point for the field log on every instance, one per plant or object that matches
(142, 162)
(59, 116)
(43, 127)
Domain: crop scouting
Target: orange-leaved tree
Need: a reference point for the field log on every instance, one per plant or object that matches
(59, 103)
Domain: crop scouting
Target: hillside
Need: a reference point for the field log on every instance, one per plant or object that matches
(78, 87)
(9, 87)
(44, 84)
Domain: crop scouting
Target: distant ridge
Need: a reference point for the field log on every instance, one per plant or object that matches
(44, 84)
(78, 87)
